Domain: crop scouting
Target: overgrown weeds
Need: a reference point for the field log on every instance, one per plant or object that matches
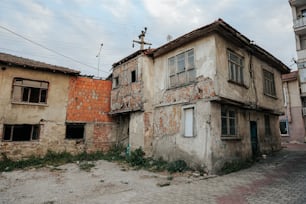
(85, 160)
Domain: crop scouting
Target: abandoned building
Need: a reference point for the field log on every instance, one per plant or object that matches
(208, 97)
(45, 107)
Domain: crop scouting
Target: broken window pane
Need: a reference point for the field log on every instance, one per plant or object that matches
(29, 91)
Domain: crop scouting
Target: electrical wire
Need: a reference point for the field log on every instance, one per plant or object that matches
(49, 49)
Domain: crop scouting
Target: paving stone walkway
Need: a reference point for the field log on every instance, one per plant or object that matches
(279, 179)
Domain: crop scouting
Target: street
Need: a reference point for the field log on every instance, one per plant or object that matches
(280, 178)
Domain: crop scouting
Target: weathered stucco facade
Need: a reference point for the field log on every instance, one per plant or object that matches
(131, 100)
(214, 97)
(292, 125)
(45, 107)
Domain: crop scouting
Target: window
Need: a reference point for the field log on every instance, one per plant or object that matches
(182, 68)
(133, 76)
(303, 12)
(189, 121)
(283, 127)
(269, 86)
(116, 82)
(228, 122)
(235, 66)
(75, 130)
(303, 42)
(267, 125)
(29, 91)
(21, 132)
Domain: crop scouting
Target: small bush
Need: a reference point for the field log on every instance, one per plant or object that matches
(177, 166)
(137, 158)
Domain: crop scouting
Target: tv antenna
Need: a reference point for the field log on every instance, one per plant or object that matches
(141, 40)
(98, 56)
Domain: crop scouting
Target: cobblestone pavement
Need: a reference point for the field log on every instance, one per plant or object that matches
(279, 179)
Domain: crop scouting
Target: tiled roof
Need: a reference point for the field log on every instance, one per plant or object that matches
(222, 28)
(290, 77)
(12, 60)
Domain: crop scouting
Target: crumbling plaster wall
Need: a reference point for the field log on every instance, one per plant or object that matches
(169, 141)
(127, 96)
(251, 92)
(135, 99)
(51, 117)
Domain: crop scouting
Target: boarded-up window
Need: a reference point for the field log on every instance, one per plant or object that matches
(30, 91)
(23, 132)
(189, 122)
(182, 68)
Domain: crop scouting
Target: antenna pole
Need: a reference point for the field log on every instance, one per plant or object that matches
(98, 55)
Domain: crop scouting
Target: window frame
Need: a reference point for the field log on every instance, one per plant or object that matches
(115, 82)
(181, 68)
(229, 119)
(235, 68)
(29, 91)
(184, 115)
(269, 83)
(70, 125)
(286, 127)
(34, 132)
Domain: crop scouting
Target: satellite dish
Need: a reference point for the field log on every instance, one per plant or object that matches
(169, 38)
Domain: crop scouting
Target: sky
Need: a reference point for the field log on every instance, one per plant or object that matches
(69, 33)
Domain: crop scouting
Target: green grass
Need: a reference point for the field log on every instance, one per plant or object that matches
(135, 159)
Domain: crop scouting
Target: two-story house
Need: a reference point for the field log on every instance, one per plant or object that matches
(45, 107)
(213, 96)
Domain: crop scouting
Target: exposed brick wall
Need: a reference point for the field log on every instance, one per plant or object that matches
(89, 100)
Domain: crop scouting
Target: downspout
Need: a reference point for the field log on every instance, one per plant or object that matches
(251, 70)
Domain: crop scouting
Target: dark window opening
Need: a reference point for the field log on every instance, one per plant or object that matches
(283, 127)
(133, 76)
(75, 131)
(21, 132)
(116, 82)
(29, 91)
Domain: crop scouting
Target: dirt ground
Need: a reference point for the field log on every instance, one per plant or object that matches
(106, 182)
